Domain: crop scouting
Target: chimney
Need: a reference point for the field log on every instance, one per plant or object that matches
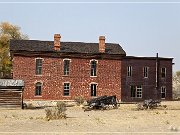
(102, 44)
(57, 42)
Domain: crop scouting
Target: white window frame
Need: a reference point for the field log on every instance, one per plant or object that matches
(93, 74)
(163, 91)
(145, 72)
(93, 83)
(36, 66)
(129, 71)
(66, 72)
(65, 89)
(163, 72)
(41, 84)
(138, 91)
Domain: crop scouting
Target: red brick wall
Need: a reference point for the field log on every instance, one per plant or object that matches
(108, 77)
(148, 84)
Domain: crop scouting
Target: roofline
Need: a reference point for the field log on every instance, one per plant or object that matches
(67, 54)
(62, 41)
(60, 52)
(151, 58)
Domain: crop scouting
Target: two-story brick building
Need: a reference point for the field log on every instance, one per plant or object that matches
(55, 70)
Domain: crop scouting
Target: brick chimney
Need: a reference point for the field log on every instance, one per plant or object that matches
(102, 44)
(57, 42)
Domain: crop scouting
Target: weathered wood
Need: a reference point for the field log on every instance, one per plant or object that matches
(11, 82)
(11, 93)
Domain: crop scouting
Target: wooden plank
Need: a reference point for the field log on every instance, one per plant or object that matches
(10, 98)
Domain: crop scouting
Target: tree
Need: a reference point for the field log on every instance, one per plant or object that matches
(7, 31)
(176, 85)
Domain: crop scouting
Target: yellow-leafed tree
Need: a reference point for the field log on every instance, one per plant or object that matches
(7, 31)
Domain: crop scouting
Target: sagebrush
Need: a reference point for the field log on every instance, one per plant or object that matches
(79, 100)
(57, 112)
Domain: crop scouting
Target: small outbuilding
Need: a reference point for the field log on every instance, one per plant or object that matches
(11, 93)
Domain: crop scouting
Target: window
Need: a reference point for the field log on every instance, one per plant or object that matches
(93, 67)
(66, 89)
(133, 91)
(93, 89)
(38, 66)
(163, 72)
(38, 89)
(136, 91)
(145, 72)
(139, 91)
(66, 67)
(163, 92)
(129, 71)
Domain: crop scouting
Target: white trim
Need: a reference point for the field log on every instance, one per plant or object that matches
(146, 67)
(93, 83)
(38, 81)
(41, 66)
(93, 76)
(41, 89)
(136, 91)
(129, 70)
(96, 67)
(161, 72)
(93, 60)
(66, 59)
(163, 88)
(96, 88)
(39, 58)
(140, 91)
(69, 89)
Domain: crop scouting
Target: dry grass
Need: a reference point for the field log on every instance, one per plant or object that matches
(124, 119)
(57, 112)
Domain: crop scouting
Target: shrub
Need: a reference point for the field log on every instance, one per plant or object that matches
(61, 109)
(57, 112)
(79, 100)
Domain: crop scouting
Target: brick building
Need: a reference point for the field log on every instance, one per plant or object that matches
(55, 70)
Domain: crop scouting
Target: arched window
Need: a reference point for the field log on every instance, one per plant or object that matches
(38, 89)
(93, 67)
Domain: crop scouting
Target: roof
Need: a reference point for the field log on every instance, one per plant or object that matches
(11, 82)
(150, 58)
(71, 47)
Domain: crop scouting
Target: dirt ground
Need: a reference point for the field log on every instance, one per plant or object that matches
(125, 120)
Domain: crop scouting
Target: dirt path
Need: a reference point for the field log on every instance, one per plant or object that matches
(124, 119)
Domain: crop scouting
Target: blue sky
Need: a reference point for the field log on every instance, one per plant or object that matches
(141, 28)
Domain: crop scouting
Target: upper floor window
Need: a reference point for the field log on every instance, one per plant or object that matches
(129, 71)
(145, 72)
(163, 92)
(93, 89)
(66, 66)
(93, 67)
(38, 66)
(66, 89)
(136, 91)
(163, 72)
(38, 88)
